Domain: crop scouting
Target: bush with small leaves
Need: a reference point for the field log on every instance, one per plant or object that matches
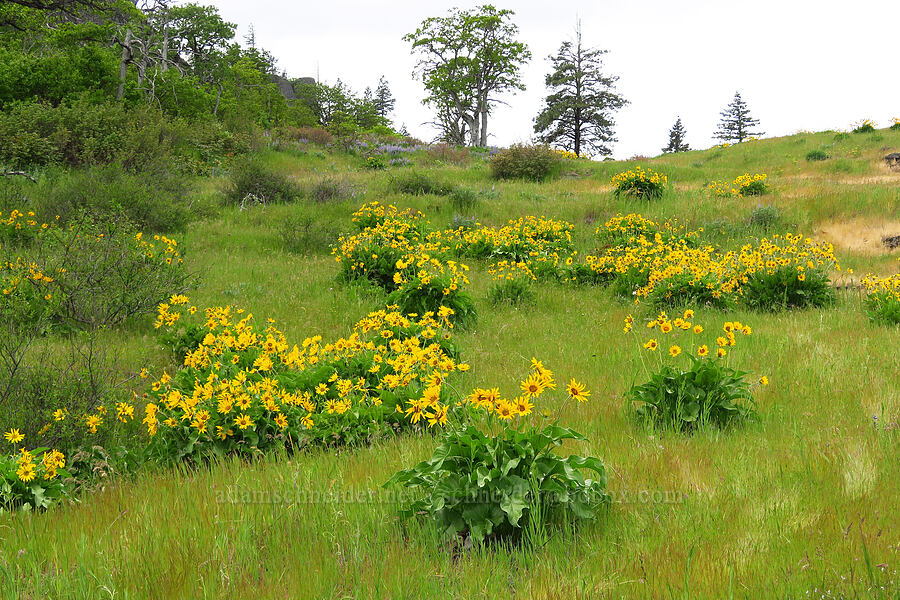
(533, 163)
(252, 178)
(816, 155)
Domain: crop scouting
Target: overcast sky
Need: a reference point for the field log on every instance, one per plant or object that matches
(799, 65)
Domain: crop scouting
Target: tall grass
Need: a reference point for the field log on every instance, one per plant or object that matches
(801, 504)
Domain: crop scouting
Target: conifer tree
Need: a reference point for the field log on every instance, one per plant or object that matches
(384, 100)
(676, 139)
(736, 122)
(578, 113)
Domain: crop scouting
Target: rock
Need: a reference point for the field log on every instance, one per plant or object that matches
(892, 241)
(284, 86)
(893, 159)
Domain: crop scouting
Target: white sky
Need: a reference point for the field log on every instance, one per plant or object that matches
(798, 64)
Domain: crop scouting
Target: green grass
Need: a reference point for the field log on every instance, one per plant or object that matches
(801, 502)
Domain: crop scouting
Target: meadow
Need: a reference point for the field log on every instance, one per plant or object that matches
(801, 502)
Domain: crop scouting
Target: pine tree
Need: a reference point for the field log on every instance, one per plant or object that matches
(384, 100)
(676, 139)
(577, 115)
(736, 122)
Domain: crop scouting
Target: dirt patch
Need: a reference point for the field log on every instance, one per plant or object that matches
(859, 235)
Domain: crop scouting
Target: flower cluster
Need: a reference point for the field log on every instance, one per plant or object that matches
(569, 155)
(882, 300)
(670, 333)
(743, 185)
(245, 390)
(639, 182)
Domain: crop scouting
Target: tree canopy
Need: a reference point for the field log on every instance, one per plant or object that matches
(466, 60)
(577, 115)
(736, 123)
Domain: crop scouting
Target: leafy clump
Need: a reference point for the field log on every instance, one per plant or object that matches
(534, 163)
(764, 217)
(639, 183)
(252, 181)
(816, 155)
(785, 287)
(705, 391)
(418, 184)
(496, 476)
(882, 302)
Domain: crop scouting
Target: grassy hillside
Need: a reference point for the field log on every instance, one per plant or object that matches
(801, 504)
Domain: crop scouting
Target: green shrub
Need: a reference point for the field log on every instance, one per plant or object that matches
(420, 295)
(882, 301)
(534, 163)
(78, 281)
(514, 292)
(252, 181)
(84, 133)
(418, 184)
(639, 183)
(153, 201)
(764, 217)
(814, 155)
(785, 287)
(375, 163)
(496, 477)
(331, 189)
(840, 137)
(463, 199)
(686, 289)
(866, 126)
(708, 392)
(895, 126)
(704, 392)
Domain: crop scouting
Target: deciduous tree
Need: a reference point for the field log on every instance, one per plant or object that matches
(466, 60)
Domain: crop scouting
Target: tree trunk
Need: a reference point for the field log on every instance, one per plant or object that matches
(123, 64)
(218, 97)
(484, 114)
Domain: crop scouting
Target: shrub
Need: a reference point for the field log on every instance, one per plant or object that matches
(495, 476)
(375, 163)
(864, 126)
(841, 137)
(31, 479)
(534, 163)
(754, 185)
(895, 124)
(80, 280)
(640, 183)
(514, 292)
(787, 287)
(815, 155)
(153, 201)
(286, 396)
(743, 185)
(463, 199)
(331, 189)
(314, 135)
(418, 184)
(705, 392)
(764, 217)
(432, 286)
(882, 302)
(253, 180)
